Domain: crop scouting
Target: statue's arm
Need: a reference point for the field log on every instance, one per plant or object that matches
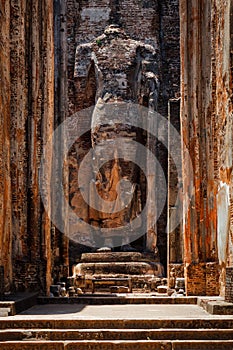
(83, 57)
(83, 61)
(150, 76)
(149, 58)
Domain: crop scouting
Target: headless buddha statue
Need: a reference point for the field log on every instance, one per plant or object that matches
(116, 70)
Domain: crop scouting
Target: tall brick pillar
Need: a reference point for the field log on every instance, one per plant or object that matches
(5, 182)
(204, 120)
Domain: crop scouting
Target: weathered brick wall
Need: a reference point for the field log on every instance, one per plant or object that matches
(202, 279)
(5, 185)
(2, 282)
(169, 37)
(207, 133)
(230, 242)
(224, 136)
(229, 285)
(212, 279)
(174, 205)
(174, 194)
(27, 115)
(19, 112)
(32, 81)
(195, 279)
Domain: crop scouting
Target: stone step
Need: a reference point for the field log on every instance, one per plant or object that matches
(108, 299)
(129, 268)
(113, 257)
(33, 345)
(115, 334)
(119, 345)
(204, 323)
(146, 278)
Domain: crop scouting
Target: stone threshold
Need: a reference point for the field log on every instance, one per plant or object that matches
(105, 299)
(19, 302)
(213, 305)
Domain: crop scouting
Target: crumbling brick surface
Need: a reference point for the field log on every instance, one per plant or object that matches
(229, 285)
(195, 278)
(206, 111)
(202, 279)
(5, 185)
(29, 96)
(212, 279)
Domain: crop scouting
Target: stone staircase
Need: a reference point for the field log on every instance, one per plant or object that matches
(141, 268)
(188, 334)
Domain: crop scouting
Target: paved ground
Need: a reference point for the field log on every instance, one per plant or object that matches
(94, 312)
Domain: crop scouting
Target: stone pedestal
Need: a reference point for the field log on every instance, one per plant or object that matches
(137, 267)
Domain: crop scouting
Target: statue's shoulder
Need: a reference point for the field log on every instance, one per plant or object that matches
(83, 58)
(146, 49)
(99, 40)
(84, 48)
(90, 47)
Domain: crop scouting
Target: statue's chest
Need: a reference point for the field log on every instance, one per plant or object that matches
(116, 56)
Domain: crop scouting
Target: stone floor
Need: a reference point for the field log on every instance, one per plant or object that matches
(95, 312)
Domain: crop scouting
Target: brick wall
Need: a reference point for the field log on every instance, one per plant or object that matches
(28, 94)
(229, 285)
(5, 185)
(2, 282)
(206, 111)
(202, 279)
